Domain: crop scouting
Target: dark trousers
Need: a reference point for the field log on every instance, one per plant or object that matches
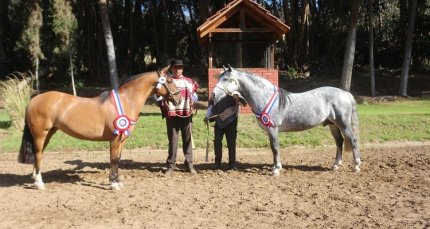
(230, 133)
(174, 125)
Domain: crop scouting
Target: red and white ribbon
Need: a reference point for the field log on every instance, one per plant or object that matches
(121, 123)
(264, 117)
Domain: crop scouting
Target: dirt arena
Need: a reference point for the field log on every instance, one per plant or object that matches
(392, 191)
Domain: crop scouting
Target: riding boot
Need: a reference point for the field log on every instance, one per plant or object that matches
(189, 167)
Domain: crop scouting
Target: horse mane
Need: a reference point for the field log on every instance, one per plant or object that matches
(283, 94)
(105, 94)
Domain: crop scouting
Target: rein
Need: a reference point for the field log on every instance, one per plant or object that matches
(163, 82)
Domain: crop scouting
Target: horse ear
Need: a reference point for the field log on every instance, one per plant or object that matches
(165, 69)
(230, 68)
(225, 69)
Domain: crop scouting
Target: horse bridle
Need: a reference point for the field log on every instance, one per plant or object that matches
(162, 81)
(225, 88)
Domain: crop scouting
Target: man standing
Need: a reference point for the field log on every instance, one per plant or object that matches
(178, 118)
(225, 113)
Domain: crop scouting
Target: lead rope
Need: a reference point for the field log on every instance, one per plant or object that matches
(207, 143)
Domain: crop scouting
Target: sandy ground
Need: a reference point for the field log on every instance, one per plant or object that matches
(392, 191)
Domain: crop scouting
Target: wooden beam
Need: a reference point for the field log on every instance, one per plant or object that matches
(210, 52)
(244, 30)
(239, 41)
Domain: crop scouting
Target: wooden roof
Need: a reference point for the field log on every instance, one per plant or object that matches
(242, 16)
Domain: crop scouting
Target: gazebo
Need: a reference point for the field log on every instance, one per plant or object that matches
(243, 35)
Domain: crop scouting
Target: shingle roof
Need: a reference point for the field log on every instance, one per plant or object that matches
(254, 11)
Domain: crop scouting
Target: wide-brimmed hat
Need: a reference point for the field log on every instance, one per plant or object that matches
(177, 63)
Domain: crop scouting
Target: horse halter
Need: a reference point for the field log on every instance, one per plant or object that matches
(231, 80)
(162, 81)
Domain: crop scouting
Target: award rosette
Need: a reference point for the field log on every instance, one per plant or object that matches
(122, 123)
(265, 119)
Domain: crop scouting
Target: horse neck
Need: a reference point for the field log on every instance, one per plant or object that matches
(256, 95)
(136, 92)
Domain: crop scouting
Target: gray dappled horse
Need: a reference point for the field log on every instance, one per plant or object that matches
(282, 111)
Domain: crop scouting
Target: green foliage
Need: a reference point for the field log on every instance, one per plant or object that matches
(156, 31)
(5, 121)
(64, 24)
(30, 37)
(15, 93)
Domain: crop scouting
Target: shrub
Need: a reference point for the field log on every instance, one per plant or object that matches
(15, 92)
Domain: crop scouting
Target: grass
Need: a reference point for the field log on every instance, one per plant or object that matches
(5, 121)
(15, 93)
(394, 121)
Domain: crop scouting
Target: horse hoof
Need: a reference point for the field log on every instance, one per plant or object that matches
(275, 173)
(334, 168)
(356, 169)
(40, 187)
(115, 186)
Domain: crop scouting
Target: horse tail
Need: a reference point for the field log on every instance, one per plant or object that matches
(26, 152)
(354, 126)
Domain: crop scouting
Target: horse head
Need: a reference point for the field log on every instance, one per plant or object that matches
(227, 85)
(166, 87)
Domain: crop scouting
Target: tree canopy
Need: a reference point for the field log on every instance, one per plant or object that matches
(147, 33)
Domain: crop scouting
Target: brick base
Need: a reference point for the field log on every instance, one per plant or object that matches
(269, 74)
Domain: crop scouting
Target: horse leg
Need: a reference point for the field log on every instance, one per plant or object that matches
(40, 143)
(337, 135)
(37, 173)
(274, 145)
(353, 141)
(116, 146)
(48, 137)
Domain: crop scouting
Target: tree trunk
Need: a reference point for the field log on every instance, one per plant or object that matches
(286, 40)
(348, 61)
(371, 57)
(403, 90)
(36, 75)
(301, 50)
(2, 54)
(71, 73)
(292, 33)
(110, 49)
(165, 35)
(131, 45)
(155, 31)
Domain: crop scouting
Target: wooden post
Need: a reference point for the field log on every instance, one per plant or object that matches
(210, 51)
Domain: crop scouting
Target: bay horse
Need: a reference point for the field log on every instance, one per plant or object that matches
(89, 118)
(280, 111)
